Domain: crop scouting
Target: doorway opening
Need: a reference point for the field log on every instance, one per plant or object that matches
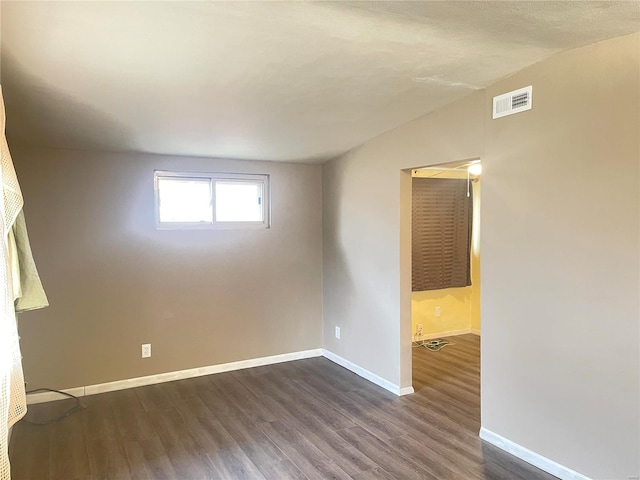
(445, 275)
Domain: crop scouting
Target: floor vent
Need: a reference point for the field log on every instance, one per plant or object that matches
(512, 102)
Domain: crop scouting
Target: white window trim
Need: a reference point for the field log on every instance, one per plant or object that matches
(213, 177)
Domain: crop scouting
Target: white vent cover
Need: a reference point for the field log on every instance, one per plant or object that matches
(512, 102)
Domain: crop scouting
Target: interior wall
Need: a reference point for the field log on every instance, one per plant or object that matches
(561, 262)
(367, 235)
(455, 312)
(199, 297)
(476, 297)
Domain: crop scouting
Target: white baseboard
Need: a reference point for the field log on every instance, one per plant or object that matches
(171, 376)
(405, 391)
(41, 397)
(366, 374)
(528, 456)
(449, 333)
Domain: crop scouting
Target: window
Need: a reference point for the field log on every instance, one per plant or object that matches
(211, 200)
(441, 234)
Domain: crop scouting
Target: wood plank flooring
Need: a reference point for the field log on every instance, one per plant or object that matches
(308, 419)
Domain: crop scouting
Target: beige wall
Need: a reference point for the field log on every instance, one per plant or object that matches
(199, 297)
(560, 260)
(363, 214)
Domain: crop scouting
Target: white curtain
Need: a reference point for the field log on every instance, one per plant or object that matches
(12, 394)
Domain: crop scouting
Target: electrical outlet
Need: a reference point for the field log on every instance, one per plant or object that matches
(419, 330)
(146, 350)
(338, 333)
(437, 311)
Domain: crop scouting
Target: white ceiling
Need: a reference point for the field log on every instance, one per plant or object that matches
(298, 81)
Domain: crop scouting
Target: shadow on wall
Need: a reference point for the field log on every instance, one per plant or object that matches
(332, 257)
(30, 120)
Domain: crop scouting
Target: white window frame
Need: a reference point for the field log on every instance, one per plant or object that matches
(212, 178)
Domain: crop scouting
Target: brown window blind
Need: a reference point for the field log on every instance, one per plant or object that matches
(441, 233)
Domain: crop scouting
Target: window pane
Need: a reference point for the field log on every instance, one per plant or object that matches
(185, 199)
(238, 201)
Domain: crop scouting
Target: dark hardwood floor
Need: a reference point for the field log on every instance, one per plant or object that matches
(308, 419)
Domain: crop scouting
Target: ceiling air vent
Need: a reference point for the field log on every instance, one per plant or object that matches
(512, 102)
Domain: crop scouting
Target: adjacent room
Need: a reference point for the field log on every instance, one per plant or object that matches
(445, 283)
(445, 250)
(320, 239)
